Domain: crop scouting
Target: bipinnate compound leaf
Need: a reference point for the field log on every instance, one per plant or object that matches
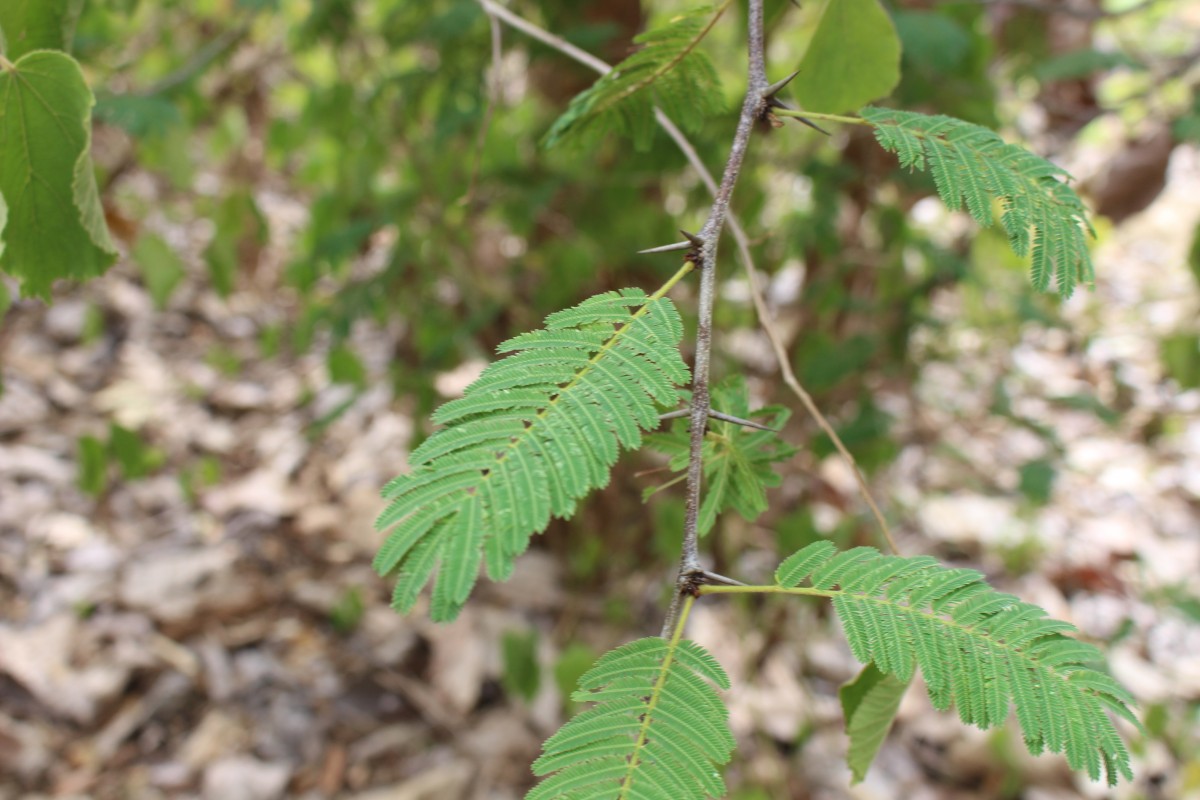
(869, 705)
(852, 58)
(737, 459)
(28, 25)
(978, 649)
(668, 70)
(55, 225)
(970, 164)
(658, 729)
(537, 431)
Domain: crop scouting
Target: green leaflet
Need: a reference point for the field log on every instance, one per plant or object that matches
(658, 730)
(737, 459)
(55, 226)
(29, 25)
(668, 71)
(978, 649)
(1041, 214)
(852, 58)
(869, 705)
(537, 431)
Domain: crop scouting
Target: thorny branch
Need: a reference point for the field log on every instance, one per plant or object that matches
(753, 107)
(757, 68)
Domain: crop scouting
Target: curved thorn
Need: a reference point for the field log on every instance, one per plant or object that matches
(696, 241)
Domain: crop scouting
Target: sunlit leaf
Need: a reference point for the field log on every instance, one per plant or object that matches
(852, 58)
(30, 25)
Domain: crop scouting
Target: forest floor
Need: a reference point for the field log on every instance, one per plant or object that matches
(210, 626)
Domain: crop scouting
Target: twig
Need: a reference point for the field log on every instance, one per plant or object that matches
(545, 37)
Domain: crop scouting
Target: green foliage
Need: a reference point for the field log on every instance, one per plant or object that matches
(1082, 63)
(932, 39)
(347, 613)
(575, 659)
(946, 62)
(737, 459)
(1041, 214)
(346, 367)
(162, 270)
(668, 71)
(135, 458)
(867, 434)
(1187, 126)
(28, 25)
(51, 222)
(658, 729)
(852, 58)
(537, 431)
(1037, 481)
(93, 465)
(978, 649)
(521, 675)
(124, 448)
(869, 705)
(1180, 354)
(240, 228)
(140, 116)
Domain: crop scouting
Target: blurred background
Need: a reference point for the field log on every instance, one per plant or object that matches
(326, 228)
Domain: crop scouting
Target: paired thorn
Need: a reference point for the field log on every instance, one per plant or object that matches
(774, 88)
(698, 577)
(739, 421)
(704, 576)
(692, 243)
(666, 248)
(811, 124)
(714, 414)
(773, 101)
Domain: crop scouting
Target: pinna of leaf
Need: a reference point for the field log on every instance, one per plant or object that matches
(971, 165)
(658, 731)
(537, 430)
(668, 71)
